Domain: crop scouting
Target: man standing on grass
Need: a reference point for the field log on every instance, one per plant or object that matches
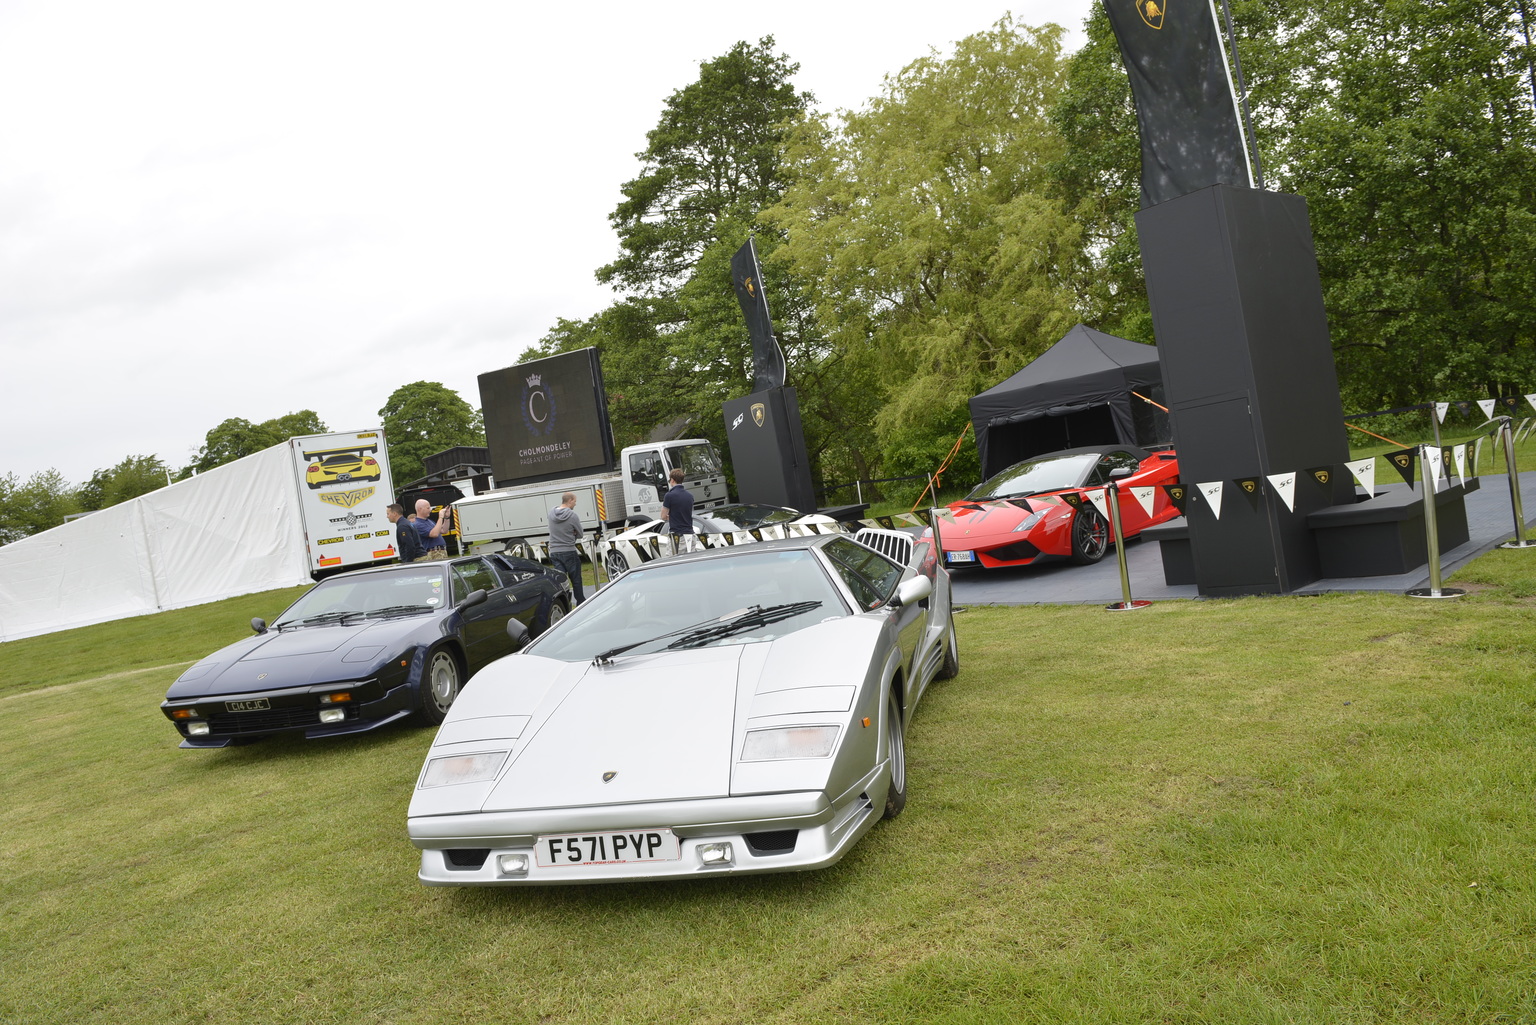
(407, 541)
(564, 534)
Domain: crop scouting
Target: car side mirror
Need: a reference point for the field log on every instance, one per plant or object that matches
(1120, 472)
(518, 632)
(475, 597)
(909, 591)
(259, 625)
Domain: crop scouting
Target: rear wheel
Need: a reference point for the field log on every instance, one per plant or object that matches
(896, 754)
(519, 549)
(439, 687)
(616, 564)
(1090, 536)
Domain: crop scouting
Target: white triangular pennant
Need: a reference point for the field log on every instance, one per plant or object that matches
(1365, 472)
(1459, 453)
(1097, 498)
(1212, 493)
(1440, 408)
(1285, 486)
(1434, 464)
(1145, 497)
(1486, 405)
(1531, 398)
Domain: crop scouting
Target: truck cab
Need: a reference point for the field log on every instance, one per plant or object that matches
(646, 470)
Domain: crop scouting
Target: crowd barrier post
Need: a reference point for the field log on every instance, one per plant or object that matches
(1431, 537)
(1126, 604)
(1507, 437)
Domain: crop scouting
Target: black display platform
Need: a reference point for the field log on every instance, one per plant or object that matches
(768, 450)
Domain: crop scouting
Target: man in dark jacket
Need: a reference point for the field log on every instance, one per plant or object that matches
(407, 540)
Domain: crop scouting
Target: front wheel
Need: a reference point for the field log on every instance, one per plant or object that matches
(615, 563)
(1090, 536)
(896, 754)
(440, 686)
(556, 613)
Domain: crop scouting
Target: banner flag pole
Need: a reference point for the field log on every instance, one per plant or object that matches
(1112, 499)
(1431, 537)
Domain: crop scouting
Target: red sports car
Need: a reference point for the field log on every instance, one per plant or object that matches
(1053, 505)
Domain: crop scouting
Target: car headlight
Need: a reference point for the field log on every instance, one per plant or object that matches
(789, 742)
(1030, 520)
(451, 769)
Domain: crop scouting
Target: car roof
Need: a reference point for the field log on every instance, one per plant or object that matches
(789, 543)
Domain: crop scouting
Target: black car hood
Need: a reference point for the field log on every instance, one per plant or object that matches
(305, 656)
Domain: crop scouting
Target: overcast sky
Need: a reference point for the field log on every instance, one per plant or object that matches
(214, 209)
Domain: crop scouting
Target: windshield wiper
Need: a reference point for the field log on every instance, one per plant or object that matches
(391, 609)
(710, 628)
(324, 617)
(754, 617)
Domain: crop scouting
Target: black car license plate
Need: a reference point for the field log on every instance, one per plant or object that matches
(253, 705)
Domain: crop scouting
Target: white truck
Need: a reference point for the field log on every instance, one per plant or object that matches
(615, 498)
(344, 489)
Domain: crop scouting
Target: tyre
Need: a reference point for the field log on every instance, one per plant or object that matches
(1090, 536)
(896, 753)
(519, 549)
(616, 565)
(440, 686)
(951, 666)
(557, 612)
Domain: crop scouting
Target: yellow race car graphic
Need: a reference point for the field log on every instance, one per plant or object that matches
(341, 466)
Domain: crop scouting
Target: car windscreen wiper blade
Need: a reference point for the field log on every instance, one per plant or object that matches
(751, 619)
(392, 609)
(748, 618)
(324, 617)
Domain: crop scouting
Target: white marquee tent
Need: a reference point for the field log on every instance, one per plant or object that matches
(236, 529)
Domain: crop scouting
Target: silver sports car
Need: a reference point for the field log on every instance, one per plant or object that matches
(737, 710)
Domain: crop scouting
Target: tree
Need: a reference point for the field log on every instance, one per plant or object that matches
(40, 503)
(422, 419)
(941, 261)
(134, 476)
(236, 438)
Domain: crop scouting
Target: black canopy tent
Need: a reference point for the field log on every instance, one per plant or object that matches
(1077, 392)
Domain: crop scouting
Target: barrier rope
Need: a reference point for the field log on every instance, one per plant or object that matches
(933, 482)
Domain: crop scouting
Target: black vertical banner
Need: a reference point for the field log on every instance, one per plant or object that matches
(1184, 104)
(767, 357)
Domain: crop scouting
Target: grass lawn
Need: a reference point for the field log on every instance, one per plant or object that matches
(1256, 810)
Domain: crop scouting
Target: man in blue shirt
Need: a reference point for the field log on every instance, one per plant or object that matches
(431, 531)
(407, 541)
(679, 505)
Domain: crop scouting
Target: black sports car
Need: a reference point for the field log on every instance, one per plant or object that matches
(363, 649)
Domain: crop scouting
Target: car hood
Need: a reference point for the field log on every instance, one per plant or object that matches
(976, 523)
(655, 727)
(301, 656)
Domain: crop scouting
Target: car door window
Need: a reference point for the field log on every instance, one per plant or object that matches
(645, 468)
(472, 576)
(869, 575)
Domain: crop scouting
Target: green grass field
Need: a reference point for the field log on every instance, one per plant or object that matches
(1260, 810)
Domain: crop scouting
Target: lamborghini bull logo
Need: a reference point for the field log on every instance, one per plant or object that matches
(1151, 12)
(759, 413)
(346, 499)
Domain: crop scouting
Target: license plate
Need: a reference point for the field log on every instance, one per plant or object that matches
(615, 848)
(254, 705)
(961, 556)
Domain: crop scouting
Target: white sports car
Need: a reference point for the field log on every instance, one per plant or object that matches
(738, 710)
(736, 522)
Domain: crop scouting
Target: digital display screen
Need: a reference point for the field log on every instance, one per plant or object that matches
(547, 418)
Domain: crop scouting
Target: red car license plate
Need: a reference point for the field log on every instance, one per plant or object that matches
(615, 848)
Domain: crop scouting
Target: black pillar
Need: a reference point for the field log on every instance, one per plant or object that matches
(768, 450)
(1248, 371)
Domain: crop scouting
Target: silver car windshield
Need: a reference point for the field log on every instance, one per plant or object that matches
(657, 603)
(1032, 476)
(415, 590)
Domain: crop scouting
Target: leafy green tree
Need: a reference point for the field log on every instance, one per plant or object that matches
(942, 262)
(236, 438)
(422, 419)
(134, 476)
(39, 503)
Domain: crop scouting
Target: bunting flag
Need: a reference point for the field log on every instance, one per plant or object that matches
(1434, 465)
(1100, 501)
(1145, 497)
(1405, 459)
(1285, 486)
(1531, 398)
(1510, 403)
(1486, 405)
(1364, 471)
(1459, 455)
(1072, 498)
(1440, 410)
(1177, 495)
(1249, 488)
(1212, 493)
(1464, 407)
(1321, 474)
